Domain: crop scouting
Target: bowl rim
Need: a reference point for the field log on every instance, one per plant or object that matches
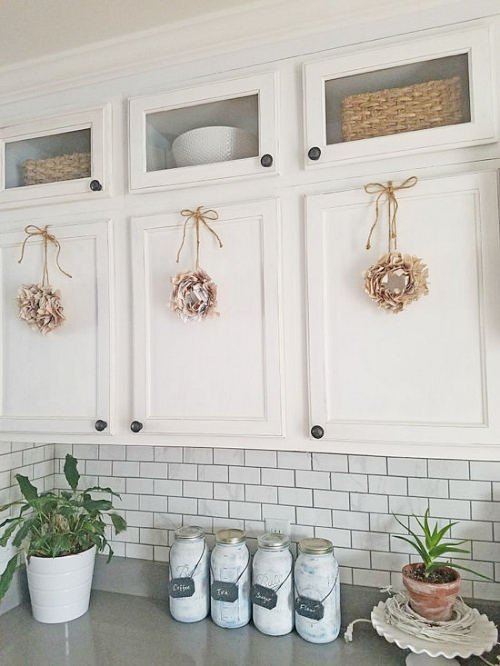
(211, 127)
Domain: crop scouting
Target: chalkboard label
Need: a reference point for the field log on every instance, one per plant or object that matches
(181, 587)
(310, 608)
(264, 596)
(221, 591)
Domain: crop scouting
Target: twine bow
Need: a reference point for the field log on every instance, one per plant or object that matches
(31, 230)
(199, 216)
(389, 191)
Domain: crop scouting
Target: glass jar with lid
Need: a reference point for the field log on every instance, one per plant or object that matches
(317, 592)
(230, 579)
(188, 588)
(272, 589)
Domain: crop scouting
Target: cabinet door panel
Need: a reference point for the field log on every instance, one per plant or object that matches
(59, 382)
(56, 158)
(464, 56)
(224, 129)
(219, 375)
(430, 372)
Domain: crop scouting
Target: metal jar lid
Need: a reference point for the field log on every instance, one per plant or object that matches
(315, 546)
(230, 537)
(189, 532)
(273, 541)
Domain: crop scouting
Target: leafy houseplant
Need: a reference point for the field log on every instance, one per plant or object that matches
(434, 583)
(51, 527)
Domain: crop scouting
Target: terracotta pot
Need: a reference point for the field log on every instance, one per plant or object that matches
(434, 601)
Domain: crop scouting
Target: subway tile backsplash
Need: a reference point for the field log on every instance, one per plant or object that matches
(347, 499)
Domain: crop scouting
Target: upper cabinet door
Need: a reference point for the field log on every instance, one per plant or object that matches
(206, 133)
(68, 156)
(430, 374)
(220, 375)
(60, 382)
(420, 95)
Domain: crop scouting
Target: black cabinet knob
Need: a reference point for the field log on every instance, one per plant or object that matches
(266, 160)
(100, 425)
(317, 432)
(136, 426)
(95, 186)
(314, 153)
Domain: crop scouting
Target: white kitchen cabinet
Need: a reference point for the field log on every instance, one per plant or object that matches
(176, 140)
(277, 361)
(217, 376)
(55, 159)
(464, 56)
(429, 374)
(58, 383)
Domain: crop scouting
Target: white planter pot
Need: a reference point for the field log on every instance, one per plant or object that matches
(60, 586)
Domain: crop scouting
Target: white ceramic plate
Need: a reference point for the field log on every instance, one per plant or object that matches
(483, 632)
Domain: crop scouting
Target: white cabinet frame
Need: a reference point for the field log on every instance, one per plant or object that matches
(98, 120)
(476, 43)
(264, 85)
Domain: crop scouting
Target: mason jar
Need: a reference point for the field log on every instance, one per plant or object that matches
(272, 589)
(230, 579)
(317, 592)
(189, 582)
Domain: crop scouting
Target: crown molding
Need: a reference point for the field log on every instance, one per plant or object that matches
(264, 23)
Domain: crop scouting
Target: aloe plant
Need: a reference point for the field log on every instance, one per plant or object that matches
(432, 548)
(51, 524)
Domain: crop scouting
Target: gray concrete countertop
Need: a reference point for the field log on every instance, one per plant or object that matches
(124, 630)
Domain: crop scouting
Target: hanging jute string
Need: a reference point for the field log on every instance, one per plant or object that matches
(194, 294)
(40, 305)
(407, 272)
(31, 230)
(392, 205)
(199, 216)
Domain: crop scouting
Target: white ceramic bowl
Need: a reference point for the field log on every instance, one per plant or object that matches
(205, 145)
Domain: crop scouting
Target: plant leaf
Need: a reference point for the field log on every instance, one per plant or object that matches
(28, 490)
(118, 522)
(8, 533)
(459, 566)
(22, 533)
(71, 471)
(6, 577)
(94, 506)
(7, 506)
(102, 490)
(7, 521)
(419, 548)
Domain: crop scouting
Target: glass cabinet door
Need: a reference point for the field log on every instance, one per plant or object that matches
(220, 130)
(54, 157)
(415, 96)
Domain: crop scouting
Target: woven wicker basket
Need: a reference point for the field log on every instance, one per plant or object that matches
(423, 105)
(64, 167)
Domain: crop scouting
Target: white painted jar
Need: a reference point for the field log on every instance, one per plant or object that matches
(60, 586)
(230, 580)
(317, 592)
(272, 588)
(188, 588)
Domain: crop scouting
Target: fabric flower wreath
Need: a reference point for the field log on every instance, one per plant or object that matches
(40, 305)
(194, 294)
(396, 280)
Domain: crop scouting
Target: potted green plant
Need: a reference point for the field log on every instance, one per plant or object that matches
(60, 534)
(433, 584)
